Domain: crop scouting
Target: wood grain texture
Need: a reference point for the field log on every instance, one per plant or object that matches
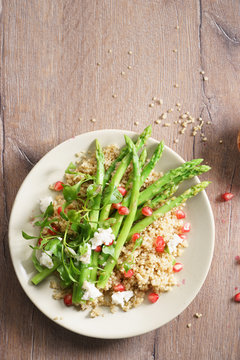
(50, 80)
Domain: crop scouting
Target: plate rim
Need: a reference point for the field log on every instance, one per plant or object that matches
(11, 221)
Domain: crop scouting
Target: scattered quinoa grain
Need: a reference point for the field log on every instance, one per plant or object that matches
(170, 110)
(98, 64)
(202, 72)
(204, 139)
(198, 315)
(176, 141)
(129, 52)
(154, 98)
(167, 124)
(93, 120)
(114, 95)
(189, 325)
(151, 105)
(175, 122)
(174, 50)
(109, 51)
(205, 78)
(136, 123)
(220, 141)
(164, 116)
(177, 27)
(123, 73)
(157, 121)
(129, 67)
(176, 85)
(178, 104)
(208, 122)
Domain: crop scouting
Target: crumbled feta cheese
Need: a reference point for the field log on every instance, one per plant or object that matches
(102, 236)
(174, 242)
(44, 203)
(45, 258)
(119, 297)
(91, 292)
(85, 258)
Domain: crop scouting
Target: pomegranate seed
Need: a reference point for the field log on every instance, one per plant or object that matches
(147, 211)
(55, 228)
(227, 196)
(119, 287)
(177, 267)
(39, 241)
(128, 274)
(180, 214)
(98, 248)
(237, 297)
(122, 190)
(123, 210)
(58, 186)
(116, 206)
(135, 237)
(182, 236)
(159, 244)
(153, 297)
(186, 227)
(68, 299)
(59, 210)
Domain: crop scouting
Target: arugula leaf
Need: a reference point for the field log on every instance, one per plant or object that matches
(115, 197)
(110, 250)
(28, 237)
(83, 248)
(63, 215)
(138, 243)
(55, 246)
(166, 249)
(127, 266)
(93, 190)
(70, 193)
(74, 216)
(64, 275)
(70, 167)
(49, 211)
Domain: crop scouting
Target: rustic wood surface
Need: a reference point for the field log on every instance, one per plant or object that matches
(51, 88)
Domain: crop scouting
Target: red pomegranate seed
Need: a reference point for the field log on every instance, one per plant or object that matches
(153, 297)
(119, 287)
(116, 206)
(182, 236)
(237, 297)
(59, 210)
(227, 196)
(39, 241)
(128, 274)
(98, 248)
(159, 244)
(180, 214)
(123, 210)
(68, 299)
(147, 211)
(58, 186)
(55, 228)
(177, 267)
(135, 237)
(122, 190)
(109, 243)
(186, 227)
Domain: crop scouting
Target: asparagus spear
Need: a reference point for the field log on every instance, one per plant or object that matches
(120, 172)
(173, 185)
(93, 219)
(145, 173)
(103, 278)
(142, 159)
(44, 273)
(94, 214)
(172, 203)
(167, 178)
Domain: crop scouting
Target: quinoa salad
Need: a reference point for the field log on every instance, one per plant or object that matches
(114, 227)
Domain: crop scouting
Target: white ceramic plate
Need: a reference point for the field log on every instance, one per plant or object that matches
(196, 259)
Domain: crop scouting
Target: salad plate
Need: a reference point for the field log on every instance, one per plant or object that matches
(144, 318)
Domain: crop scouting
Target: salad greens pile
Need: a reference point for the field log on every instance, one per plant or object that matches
(94, 211)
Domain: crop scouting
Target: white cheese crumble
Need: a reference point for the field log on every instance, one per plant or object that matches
(85, 258)
(174, 242)
(102, 237)
(91, 292)
(119, 297)
(44, 203)
(45, 258)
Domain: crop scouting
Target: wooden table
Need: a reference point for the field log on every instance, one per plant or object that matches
(66, 62)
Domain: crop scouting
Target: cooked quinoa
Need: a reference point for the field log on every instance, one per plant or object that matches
(152, 270)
